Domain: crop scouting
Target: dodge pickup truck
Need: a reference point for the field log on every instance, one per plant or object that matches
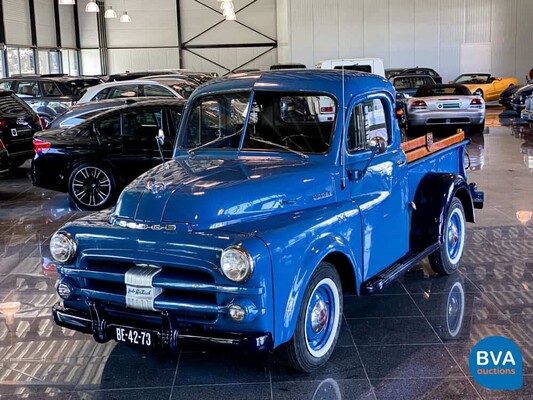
(264, 217)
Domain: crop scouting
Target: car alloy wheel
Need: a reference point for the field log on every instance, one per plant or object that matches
(91, 187)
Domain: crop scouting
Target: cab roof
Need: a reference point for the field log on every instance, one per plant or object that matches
(301, 80)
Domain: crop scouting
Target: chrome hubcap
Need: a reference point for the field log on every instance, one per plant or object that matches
(453, 234)
(319, 316)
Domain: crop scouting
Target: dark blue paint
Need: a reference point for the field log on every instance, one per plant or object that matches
(289, 213)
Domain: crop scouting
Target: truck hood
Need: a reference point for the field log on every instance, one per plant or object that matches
(206, 193)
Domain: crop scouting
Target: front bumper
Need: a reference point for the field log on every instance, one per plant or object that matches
(169, 334)
(424, 118)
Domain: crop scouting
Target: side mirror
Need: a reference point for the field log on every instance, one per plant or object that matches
(160, 138)
(378, 145)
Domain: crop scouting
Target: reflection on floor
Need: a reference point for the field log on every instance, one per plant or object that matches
(392, 346)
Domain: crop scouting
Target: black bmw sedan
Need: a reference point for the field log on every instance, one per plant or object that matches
(95, 160)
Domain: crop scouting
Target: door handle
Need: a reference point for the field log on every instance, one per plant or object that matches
(400, 162)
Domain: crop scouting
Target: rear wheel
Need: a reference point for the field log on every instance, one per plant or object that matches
(446, 259)
(319, 321)
(91, 187)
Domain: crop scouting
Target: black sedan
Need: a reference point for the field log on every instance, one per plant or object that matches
(18, 123)
(96, 159)
(4, 159)
(389, 73)
(518, 99)
(507, 94)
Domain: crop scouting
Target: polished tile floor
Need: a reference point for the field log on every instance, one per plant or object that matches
(392, 345)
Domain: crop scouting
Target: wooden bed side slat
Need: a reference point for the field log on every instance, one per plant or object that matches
(414, 143)
(421, 152)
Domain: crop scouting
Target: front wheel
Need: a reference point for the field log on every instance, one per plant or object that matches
(479, 93)
(319, 321)
(92, 187)
(445, 260)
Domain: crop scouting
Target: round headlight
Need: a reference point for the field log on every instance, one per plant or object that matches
(62, 247)
(237, 264)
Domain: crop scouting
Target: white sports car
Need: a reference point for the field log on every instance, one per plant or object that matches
(446, 105)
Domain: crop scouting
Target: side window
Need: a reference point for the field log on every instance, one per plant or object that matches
(142, 123)
(101, 95)
(109, 127)
(6, 85)
(157, 91)
(50, 89)
(28, 88)
(123, 91)
(205, 123)
(368, 120)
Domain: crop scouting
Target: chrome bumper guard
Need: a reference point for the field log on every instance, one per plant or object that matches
(169, 336)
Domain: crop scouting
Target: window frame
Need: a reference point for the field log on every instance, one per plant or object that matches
(387, 107)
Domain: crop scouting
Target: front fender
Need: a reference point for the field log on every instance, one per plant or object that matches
(432, 200)
(316, 252)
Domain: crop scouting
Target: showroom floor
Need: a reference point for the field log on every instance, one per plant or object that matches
(392, 345)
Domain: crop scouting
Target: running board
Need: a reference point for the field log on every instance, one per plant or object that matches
(385, 277)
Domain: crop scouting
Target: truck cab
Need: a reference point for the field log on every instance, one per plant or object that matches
(263, 219)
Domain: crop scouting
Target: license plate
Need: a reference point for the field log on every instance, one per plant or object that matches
(136, 337)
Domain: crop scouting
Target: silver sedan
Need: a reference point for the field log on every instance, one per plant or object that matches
(446, 105)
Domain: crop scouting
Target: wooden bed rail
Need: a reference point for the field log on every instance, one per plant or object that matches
(424, 145)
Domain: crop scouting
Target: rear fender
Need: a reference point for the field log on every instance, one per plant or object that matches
(432, 200)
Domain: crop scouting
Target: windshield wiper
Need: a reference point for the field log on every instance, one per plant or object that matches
(279, 145)
(214, 141)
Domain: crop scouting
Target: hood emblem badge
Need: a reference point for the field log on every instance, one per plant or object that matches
(156, 187)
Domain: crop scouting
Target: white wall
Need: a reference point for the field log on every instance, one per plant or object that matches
(410, 32)
(150, 41)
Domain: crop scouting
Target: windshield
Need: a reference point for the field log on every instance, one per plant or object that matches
(483, 78)
(299, 123)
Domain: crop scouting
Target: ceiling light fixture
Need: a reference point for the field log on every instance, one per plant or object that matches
(66, 2)
(92, 7)
(125, 17)
(231, 17)
(110, 13)
(227, 5)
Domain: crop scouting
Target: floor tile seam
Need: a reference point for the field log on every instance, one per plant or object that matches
(360, 360)
(223, 384)
(175, 376)
(448, 351)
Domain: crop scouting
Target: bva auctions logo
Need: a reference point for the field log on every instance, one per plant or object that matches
(496, 363)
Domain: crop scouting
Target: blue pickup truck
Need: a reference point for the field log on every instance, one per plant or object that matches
(266, 215)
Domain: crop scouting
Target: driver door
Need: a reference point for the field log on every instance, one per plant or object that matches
(382, 192)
